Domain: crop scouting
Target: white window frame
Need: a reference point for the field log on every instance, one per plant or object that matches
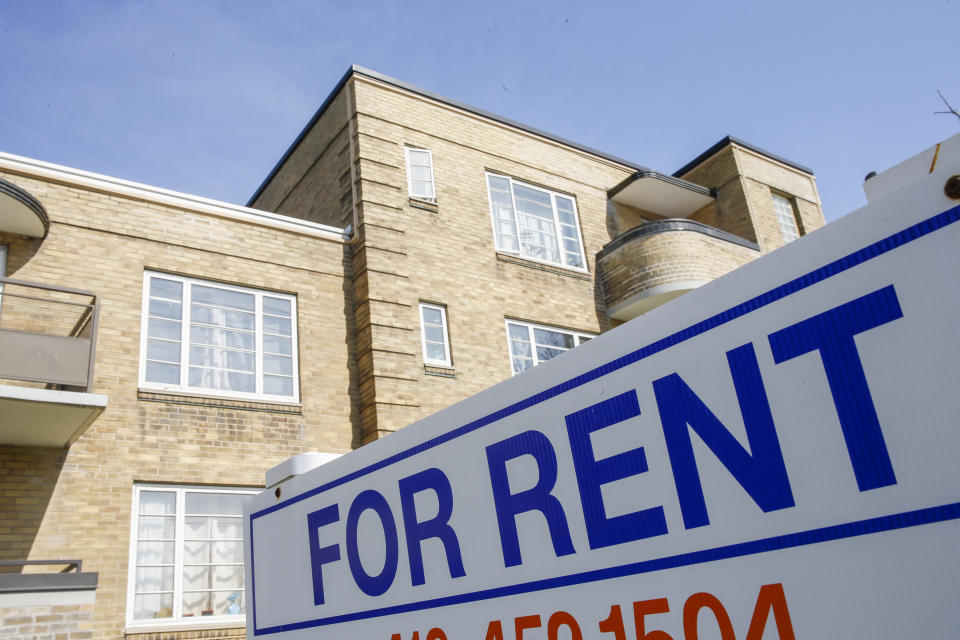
(177, 621)
(556, 222)
(789, 229)
(579, 336)
(183, 388)
(447, 361)
(433, 182)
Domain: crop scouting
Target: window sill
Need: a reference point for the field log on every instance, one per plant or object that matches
(200, 400)
(427, 205)
(543, 266)
(185, 627)
(441, 371)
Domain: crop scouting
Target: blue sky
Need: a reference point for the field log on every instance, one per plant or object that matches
(204, 97)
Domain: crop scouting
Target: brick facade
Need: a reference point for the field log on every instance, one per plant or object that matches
(361, 365)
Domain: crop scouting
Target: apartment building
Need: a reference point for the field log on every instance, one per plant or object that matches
(160, 351)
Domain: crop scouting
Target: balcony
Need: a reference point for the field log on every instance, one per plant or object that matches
(48, 336)
(657, 261)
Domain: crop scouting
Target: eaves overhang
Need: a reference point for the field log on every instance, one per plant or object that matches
(400, 84)
(21, 213)
(661, 194)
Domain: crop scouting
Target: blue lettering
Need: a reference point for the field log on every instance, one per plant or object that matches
(436, 527)
(761, 473)
(378, 584)
(831, 333)
(592, 474)
(320, 556)
(537, 445)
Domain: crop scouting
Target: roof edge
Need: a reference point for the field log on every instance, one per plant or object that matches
(30, 167)
(400, 84)
(746, 145)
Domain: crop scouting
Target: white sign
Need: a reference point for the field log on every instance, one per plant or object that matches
(774, 455)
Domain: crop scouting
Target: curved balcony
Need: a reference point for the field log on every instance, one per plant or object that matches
(657, 261)
(21, 213)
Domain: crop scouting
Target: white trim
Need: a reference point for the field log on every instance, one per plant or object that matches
(177, 622)
(556, 221)
(530, 326)
(786, 217)
(183, 387)
(447, 362)
(433, 182)
(199, 204)
(53, 396)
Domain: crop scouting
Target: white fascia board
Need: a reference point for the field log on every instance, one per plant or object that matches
(98, 182)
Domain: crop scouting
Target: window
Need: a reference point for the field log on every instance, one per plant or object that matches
(206, 337)
(186, 555)
(433, 329)
(532, 344)
(786, 218)
(535, 223)
(420, 174)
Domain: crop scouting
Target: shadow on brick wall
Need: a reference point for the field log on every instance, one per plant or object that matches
(28, 476)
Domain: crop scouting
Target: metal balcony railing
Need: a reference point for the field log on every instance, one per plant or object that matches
(47, 334)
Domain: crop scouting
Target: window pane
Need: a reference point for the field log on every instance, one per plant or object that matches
(544, 353)
(521, 364)
(227, 528)
(436, 351)
(223, 298)
(222, 338)
(198, 552)
(281, 365)
(196, 527)
(163, 373)
(222, 358)
(165, 309)
(421, 158)
(431, 315)
(152, 606)
(433, 333)
(227, 603)
(420, 173)
(278, 386)
(518, 332)
(197, 604)
(419, 188)
(163, 329)
(158, 502)
(222, 317)
(521, 348)
(574, 260)
(163, 350)
(496, 182)
(275, 344)
(279, 326)
(156, 528)
(220, 379)
(154, 579)
(276, 306)
(163, 288)
(155, 552)
(533, 195)
(213, 503)
(553, 338)
(212, 577)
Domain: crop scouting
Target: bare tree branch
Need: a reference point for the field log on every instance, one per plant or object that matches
(950, 108)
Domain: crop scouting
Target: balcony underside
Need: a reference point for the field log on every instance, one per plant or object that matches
(31, 417)
(21, 213)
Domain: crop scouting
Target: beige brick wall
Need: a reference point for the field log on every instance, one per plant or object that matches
(78, 503)
(649, 261)
(53, 622)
